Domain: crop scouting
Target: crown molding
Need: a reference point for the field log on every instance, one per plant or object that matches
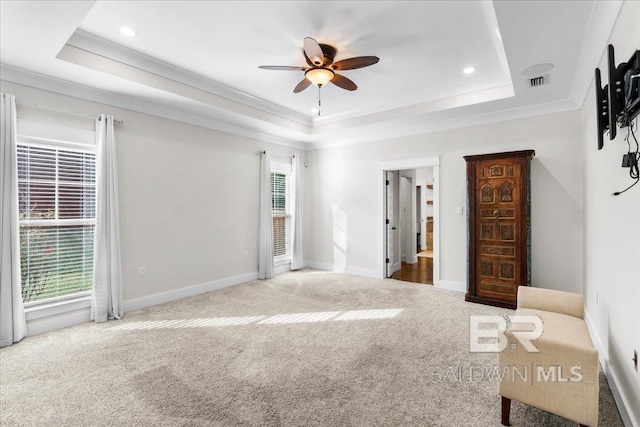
(90, 43)
(384, 130)
(445, 103)
(419, 100)
(63, 87)
(603, 18)
(442, 121)
(225, 109)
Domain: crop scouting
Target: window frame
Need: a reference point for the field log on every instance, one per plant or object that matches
(34, 135)
(286, 170)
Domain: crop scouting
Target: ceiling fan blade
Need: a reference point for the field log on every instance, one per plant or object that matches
(343, 82)
(302, 85)
(281, 68)
(357, 62)
(313, 51)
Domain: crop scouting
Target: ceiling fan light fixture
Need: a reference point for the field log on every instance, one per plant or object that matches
(319, 76)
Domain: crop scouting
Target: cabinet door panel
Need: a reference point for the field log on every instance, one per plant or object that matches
(498, 187)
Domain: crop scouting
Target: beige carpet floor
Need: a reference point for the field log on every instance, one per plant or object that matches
(377, 359)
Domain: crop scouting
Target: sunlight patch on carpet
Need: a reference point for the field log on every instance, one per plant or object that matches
(321, 316)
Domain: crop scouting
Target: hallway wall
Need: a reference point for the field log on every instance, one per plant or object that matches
(349, 177)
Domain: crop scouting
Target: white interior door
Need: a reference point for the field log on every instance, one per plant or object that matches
(390, 223)
(419, 216)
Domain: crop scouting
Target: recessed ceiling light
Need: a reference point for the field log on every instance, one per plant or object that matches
(128, 32)
(469, 70)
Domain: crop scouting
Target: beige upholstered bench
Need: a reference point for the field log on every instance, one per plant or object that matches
(562, 378)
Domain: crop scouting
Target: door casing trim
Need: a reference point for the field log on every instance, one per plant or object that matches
(409, 163)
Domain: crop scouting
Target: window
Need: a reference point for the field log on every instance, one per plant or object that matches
(56, 195)
(281, 211)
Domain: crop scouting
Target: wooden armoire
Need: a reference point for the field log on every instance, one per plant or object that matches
(499, 206)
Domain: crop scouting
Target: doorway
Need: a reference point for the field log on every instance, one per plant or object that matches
(416, 226)
(409, 201)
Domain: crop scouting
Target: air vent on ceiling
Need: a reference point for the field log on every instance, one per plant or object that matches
(537, 81)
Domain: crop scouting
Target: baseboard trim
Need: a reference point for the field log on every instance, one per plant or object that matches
(621, 401)
(343, 269)
(411, 259)
(451, 286)
(595, 336)
(397, 266)
(189, 291)
(319, 265)
(612, 377)
(47, 319)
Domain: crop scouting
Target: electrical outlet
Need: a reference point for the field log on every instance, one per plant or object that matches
(142, 271)
(635, 360)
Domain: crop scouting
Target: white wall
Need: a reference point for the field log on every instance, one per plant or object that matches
(188, 197)
(612, 237)
(348, 176)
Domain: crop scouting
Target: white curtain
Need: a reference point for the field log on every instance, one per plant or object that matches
(107, 270)
(13, 326)
(265, 254)
(296, 228)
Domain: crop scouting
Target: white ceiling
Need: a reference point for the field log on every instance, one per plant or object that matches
(201, 58)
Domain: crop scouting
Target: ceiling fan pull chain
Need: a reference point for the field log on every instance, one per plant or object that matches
(319, 104)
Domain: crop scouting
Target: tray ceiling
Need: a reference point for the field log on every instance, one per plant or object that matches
(202, 57)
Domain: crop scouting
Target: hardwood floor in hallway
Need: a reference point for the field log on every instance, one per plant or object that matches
(420, 272)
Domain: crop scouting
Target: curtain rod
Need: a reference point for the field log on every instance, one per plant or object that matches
(65, 111)
(276, 154)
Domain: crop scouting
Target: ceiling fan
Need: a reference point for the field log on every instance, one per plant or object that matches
(321, 68)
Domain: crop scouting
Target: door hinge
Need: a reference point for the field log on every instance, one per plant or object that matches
(387, 182)
(387, 222)
(387, 260)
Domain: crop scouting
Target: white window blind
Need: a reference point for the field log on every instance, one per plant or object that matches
(56, 192)
(280, 204)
